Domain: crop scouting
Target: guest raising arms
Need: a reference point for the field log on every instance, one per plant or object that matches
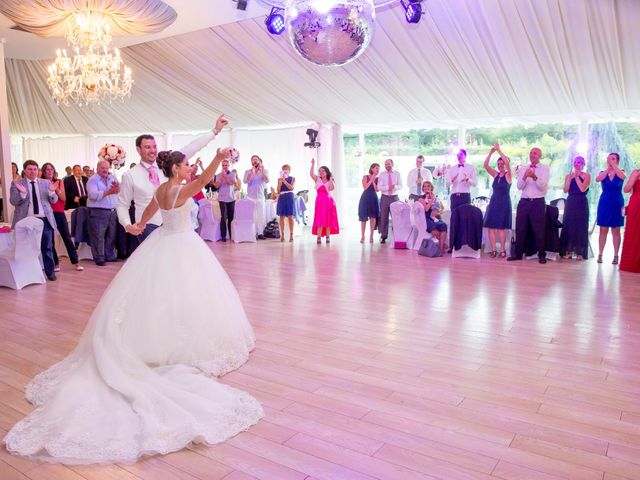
(285, 206)
(498, 216)
(369, 206)
(575, 222)
(630, 260)
(610, 205)
(325, 217)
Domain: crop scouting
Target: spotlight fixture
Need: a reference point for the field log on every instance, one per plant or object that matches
(275, 21)
(412, 10)
(312, 134)
(242, 4)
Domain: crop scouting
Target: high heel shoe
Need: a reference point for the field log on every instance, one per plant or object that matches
(615, 260)
(290, 239)
(282, 238)
(493, 254)
(599, 259)
(319, 241)
(362, 240)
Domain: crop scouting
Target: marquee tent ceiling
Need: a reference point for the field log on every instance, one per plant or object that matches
(470, 62)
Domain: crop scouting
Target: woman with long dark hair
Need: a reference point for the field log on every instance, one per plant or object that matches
(325, 217)
(49, 173)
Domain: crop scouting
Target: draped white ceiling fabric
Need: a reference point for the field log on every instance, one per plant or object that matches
(126, 17)
(467, 62)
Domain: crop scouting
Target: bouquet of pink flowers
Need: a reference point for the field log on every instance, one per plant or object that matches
(234, 155)
(114, 154)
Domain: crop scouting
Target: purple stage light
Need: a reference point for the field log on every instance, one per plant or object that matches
(412, 10)
(275, 22)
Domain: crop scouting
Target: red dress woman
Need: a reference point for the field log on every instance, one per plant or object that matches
(630, 261)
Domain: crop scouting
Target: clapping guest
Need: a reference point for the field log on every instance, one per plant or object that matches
(369, 206)
(531, 213)
(498, 215)
(630, 260)
(461, 178)
(226, 182)
(325, 216)
(32, 197)
(389, 182)
(575, 222)
(285, 206)
(433, 213)
(256, 179)
(417, 177)
(610, 205)
(102, 191)
(49, 173)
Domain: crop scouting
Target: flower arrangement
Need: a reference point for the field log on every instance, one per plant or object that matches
(114, 154)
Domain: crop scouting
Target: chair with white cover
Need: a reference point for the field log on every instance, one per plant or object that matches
(419, 222)
(243, 227)
(20, 262)
(400, 223)
(209, 224)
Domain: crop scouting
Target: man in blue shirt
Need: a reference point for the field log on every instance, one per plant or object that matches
(102, 191)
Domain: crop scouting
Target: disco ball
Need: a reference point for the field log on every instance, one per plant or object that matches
(330, 32)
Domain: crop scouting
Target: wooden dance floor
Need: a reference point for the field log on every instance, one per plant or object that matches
(373, 363)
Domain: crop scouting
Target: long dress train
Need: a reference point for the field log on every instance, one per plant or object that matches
(137, 382)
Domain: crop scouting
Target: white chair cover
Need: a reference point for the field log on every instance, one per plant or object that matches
(419, 225)
(20, 263)
(209, 224)
(465, 252)
(243, 227)
(400, 222)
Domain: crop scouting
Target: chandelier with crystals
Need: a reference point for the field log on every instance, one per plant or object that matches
(96, 72)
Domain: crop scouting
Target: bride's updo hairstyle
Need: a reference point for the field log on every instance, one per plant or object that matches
(167, 159)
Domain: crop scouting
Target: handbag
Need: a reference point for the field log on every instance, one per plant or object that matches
(512, 247)
(430, 248)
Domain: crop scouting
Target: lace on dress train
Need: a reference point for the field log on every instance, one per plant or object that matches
(137, 382)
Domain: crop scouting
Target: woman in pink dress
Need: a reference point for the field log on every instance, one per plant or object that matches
(630, 261)
(325, 217)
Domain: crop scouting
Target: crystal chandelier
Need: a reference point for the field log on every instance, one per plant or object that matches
(95, 73)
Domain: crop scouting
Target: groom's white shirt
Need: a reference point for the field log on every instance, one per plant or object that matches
(136, 185)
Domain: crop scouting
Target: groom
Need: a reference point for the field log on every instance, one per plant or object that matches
(140, 182)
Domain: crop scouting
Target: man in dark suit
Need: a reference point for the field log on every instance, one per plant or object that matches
(75, 187)
(32, 197)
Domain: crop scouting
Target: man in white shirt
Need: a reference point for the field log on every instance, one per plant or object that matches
(140, 182)
(533, 181)
(417, 177)
(389, 182)
(461, 178)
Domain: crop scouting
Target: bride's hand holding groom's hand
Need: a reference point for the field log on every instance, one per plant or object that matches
(135, 229)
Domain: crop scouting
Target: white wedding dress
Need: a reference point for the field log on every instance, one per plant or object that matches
(139, 383)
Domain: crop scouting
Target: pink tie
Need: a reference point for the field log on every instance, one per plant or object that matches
(390, 184)
(153, 176)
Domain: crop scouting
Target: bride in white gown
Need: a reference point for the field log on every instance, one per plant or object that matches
(135, 385)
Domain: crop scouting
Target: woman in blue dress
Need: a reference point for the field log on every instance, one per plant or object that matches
(610, 205)
(285, 206)
(498, 215)
(369, 206)
(575, 222)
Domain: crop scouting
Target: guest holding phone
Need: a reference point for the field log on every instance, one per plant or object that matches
(285, 206)
(433, 209)
(369, 205)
